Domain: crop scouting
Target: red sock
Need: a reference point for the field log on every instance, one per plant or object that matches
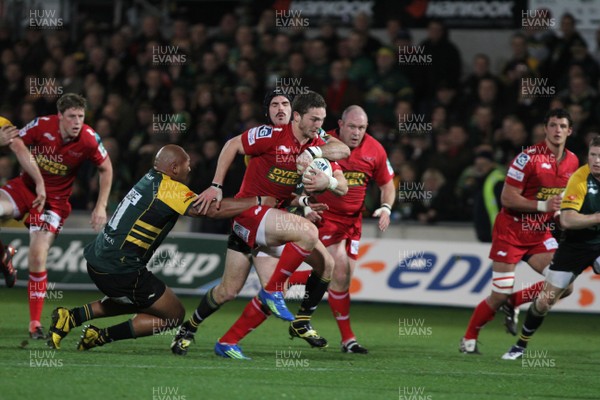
(291, 258)
(37, 293)
(340, 306)
(251, 318)
(526, 295)
(482, 315)
(299, 277)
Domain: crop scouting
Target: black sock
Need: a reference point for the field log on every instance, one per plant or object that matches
(82, 314)
(207, 306)
(533, 320)
(316, 287)
(122, 331)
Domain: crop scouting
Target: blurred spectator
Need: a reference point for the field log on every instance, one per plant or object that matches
(453, 153)
(512, 71)
(361, 25)
(482, 126)
(318, 61)
(487, 190)
(433, 199)
(340, 93)
(386, 86)
(580, 92)
(561, 54)
(361, 67)
(13, 91)
(446, 64)
(581, 57)
(71, 78)
(540, 39)
(480, 70)
(156, 93)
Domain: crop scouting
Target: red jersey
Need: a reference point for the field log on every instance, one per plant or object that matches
(59, 161)
(271, 170)
(537, 172)
(368, 161)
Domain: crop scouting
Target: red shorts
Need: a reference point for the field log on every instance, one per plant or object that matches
(332, 231)
(510, 242)
(247, 224)
(51, 218)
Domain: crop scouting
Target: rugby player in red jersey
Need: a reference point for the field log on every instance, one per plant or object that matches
(59, 144)
(340, 226)
(522, 231)
(272, 170)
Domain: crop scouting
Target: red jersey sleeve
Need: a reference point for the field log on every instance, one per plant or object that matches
(97, 151)
(519, 171)
(257, 140)
(29, 133)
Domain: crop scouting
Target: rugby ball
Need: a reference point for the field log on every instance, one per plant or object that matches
(4, 122)
(320, 164)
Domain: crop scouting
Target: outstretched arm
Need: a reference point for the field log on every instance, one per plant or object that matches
(231, 207)
(232, 148)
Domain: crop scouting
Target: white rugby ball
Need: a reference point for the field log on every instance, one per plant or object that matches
(321, 164)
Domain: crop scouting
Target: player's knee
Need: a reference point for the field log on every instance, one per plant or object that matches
(310, 235)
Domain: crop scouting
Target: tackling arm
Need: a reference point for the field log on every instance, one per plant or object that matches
(571, 219)
(232, 148)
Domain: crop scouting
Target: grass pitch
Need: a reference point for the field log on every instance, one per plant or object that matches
(413, 355)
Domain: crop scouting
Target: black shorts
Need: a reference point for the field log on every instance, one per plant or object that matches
(140, 288)
(574, 257)
(235, 243)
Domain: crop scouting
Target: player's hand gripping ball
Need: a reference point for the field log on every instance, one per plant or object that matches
(318, 164)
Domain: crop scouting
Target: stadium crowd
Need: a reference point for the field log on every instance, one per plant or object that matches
(198, 86)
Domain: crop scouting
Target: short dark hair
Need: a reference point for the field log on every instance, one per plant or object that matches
(70, 100)
(305, 101)
(595, 142)
(558, 113)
